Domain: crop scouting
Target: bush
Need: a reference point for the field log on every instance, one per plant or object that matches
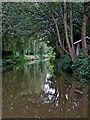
(88, 47)
(89, 64)
(51, 57)
(80, 68)
(65, 63)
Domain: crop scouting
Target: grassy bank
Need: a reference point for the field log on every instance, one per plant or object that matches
(35, 57)
(8, 60)
(12, 60)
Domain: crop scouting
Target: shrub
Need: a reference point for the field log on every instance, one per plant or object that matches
(80, 68)
(89, 62)
(51, 57)
(65, 63)
(88, 47)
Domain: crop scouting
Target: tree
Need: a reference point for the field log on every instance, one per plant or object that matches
(83, 37)
(56, 24)
(69, 43)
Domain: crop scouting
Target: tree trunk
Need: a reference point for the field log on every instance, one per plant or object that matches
(58, 33)
(71, 33)
(70, 48)
(84, 45)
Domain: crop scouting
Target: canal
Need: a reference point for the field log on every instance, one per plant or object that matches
(31, 91)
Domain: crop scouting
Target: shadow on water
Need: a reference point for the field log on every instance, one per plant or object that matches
(29, 91)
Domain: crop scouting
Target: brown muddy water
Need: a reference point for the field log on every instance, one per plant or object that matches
(30, 91)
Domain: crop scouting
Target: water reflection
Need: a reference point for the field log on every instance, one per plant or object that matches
(30, 92)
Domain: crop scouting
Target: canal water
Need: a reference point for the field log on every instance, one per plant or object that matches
(33, 91)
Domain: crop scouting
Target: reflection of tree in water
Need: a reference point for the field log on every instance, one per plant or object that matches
(24, 81)
(36, 74)
(70, 100)
(31, 93)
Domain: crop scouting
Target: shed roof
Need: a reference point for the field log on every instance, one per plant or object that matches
(81, 40)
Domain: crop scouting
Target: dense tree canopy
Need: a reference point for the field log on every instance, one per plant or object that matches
(27, 25)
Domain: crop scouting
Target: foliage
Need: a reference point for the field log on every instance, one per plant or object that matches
(80, 68)
(51, 68)
(51, 58)
(20, 31)
(12, 60)
(35, 57)
(66, 63)
(88, 64)
(26, 25)
(29, 27)
(88, 47)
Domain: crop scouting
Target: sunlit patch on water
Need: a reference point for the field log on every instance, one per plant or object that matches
(49, 90)
(67, 96)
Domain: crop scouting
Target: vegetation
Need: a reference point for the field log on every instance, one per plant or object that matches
(12, 60)
(35, 30)
(64, 63)
(80, 68)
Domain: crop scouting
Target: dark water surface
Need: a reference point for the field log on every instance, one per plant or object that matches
(29, 91)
